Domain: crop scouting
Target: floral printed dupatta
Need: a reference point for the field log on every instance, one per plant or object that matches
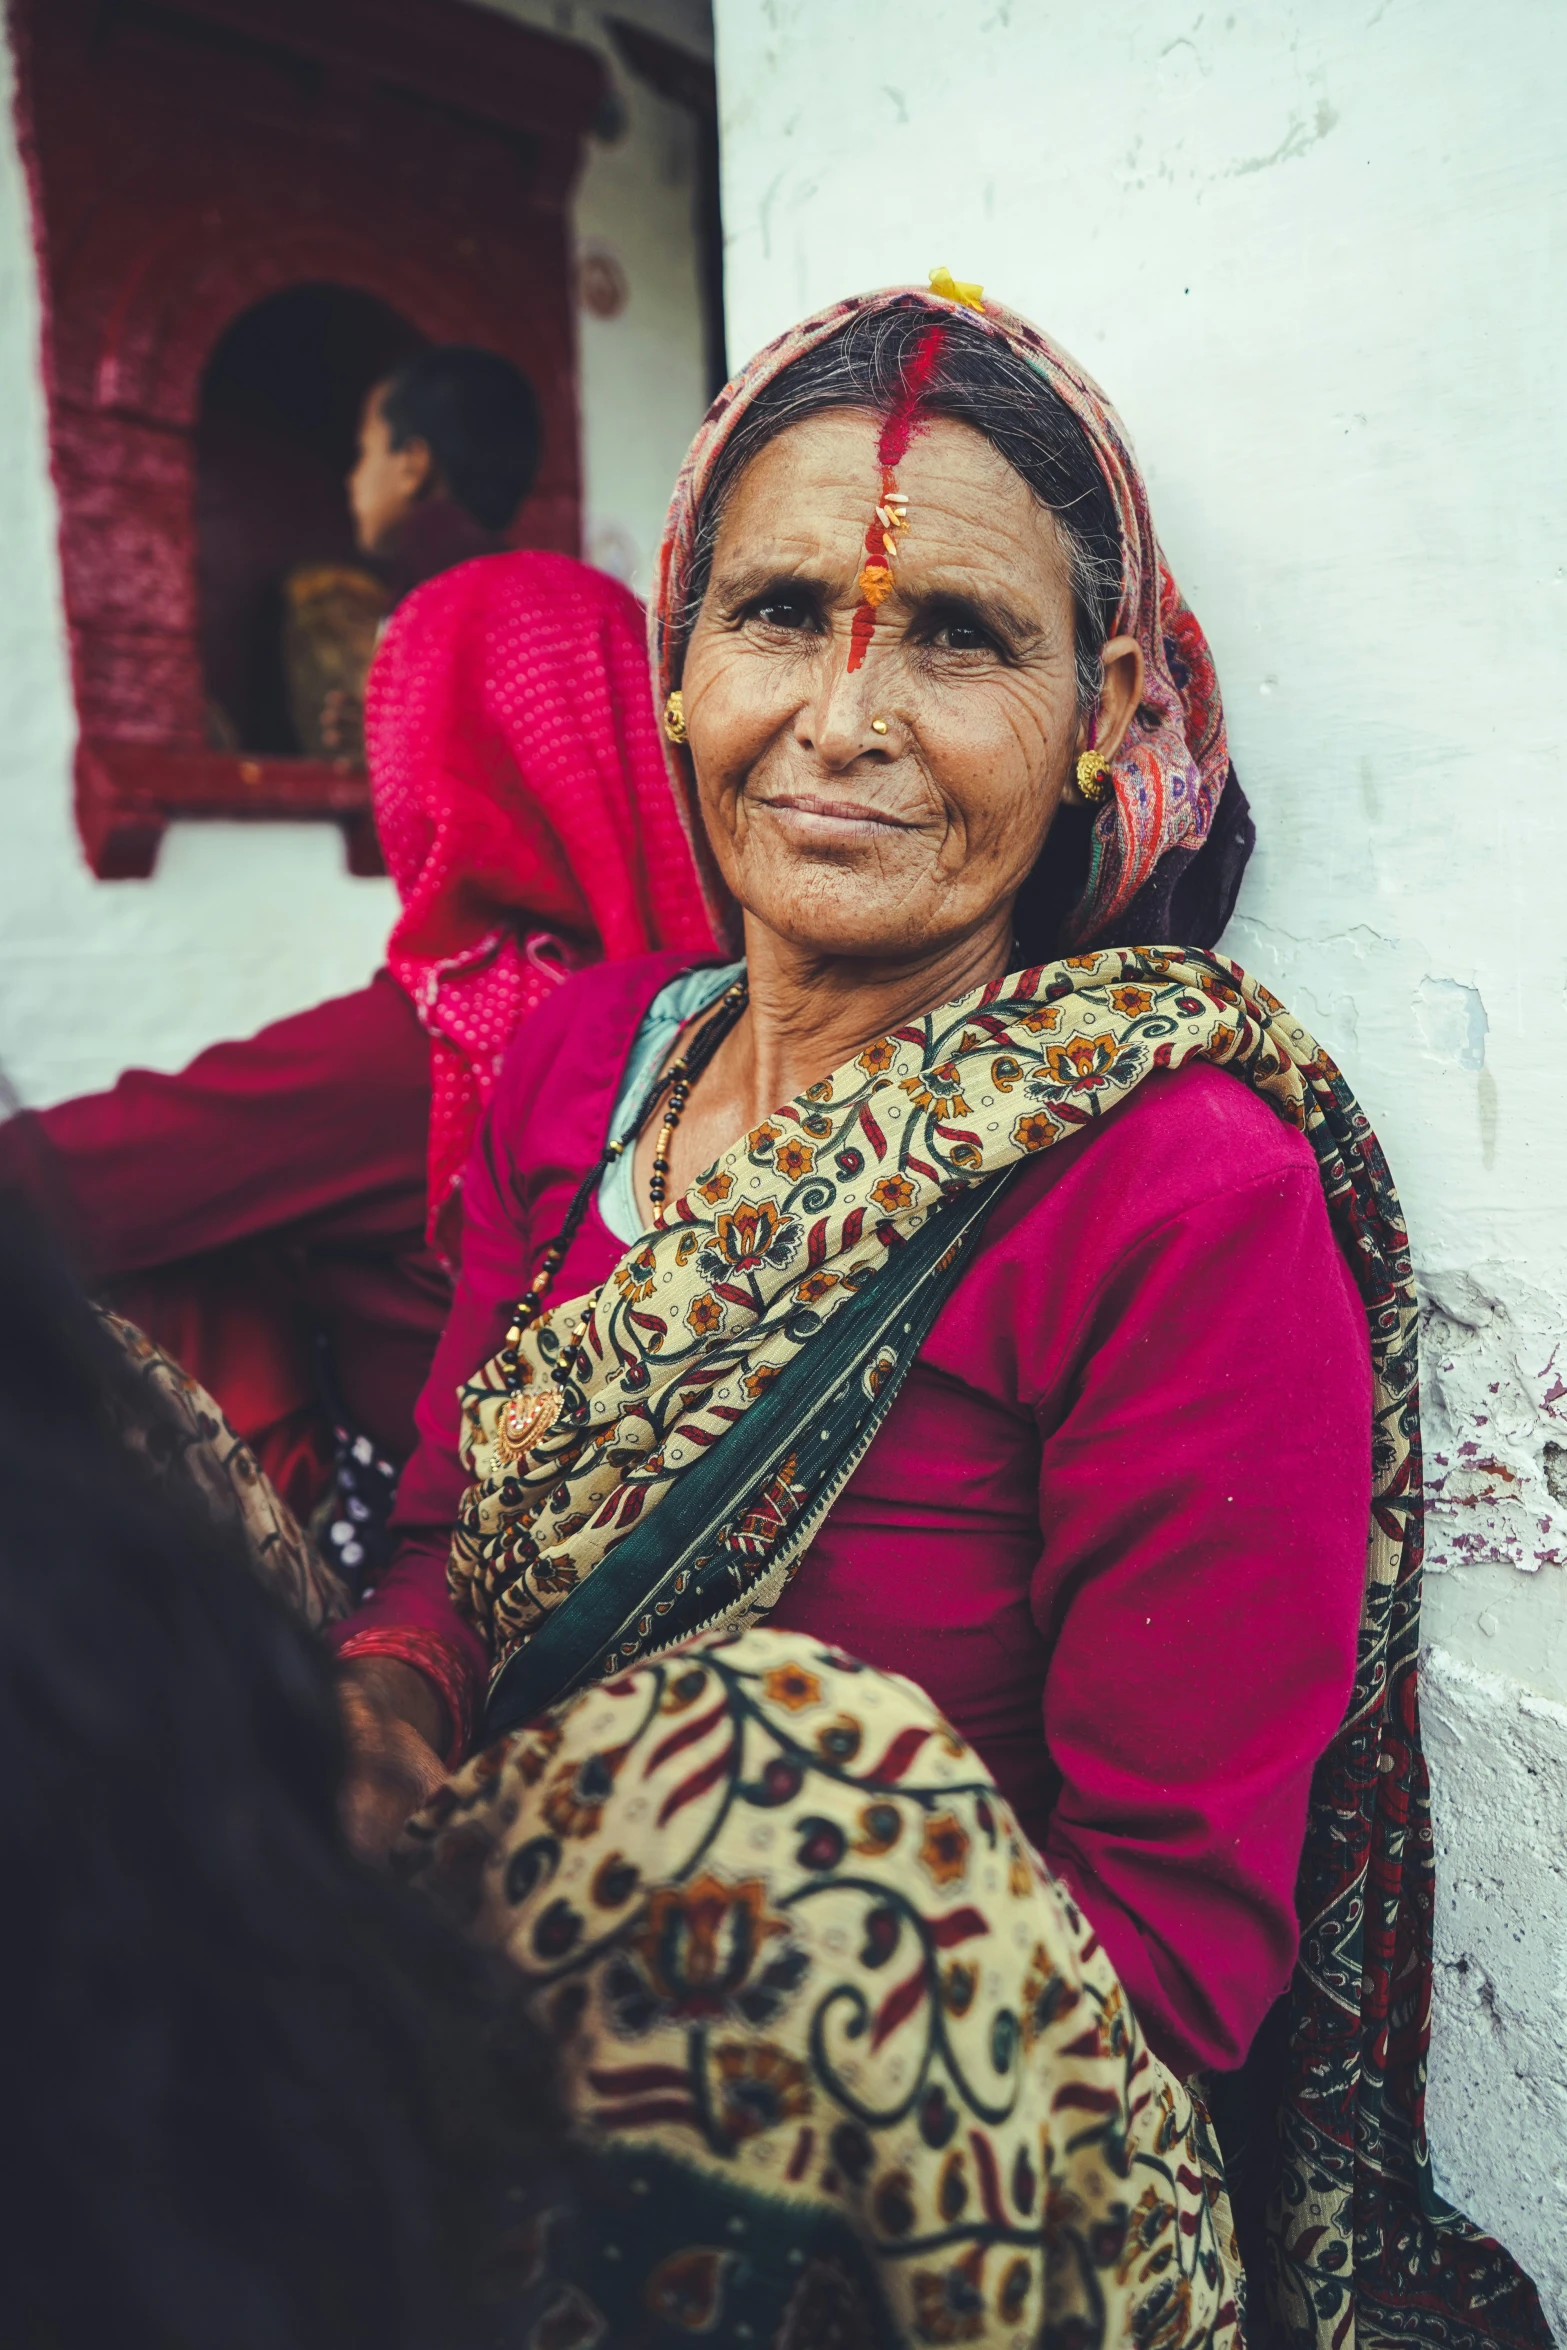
(740, 1285)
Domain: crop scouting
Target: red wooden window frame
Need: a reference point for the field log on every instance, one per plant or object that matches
(188, 158)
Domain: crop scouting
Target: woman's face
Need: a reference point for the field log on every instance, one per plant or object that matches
(846, 840)
(386, 483)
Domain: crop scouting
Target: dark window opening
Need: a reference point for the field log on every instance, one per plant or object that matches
(276, 435)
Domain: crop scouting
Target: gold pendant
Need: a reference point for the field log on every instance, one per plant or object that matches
(525, 1418)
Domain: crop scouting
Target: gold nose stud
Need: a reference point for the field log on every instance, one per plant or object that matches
(878, 726)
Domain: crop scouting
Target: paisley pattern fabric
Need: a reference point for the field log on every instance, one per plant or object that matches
(849, 2066)
(1170, 768)
(751, 1266)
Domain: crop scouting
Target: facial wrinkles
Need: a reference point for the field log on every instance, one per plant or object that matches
(779, 722)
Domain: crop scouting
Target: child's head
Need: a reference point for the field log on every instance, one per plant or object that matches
(454, 422)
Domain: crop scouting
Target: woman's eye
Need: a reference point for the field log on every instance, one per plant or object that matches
(962, 636)
(791, 612)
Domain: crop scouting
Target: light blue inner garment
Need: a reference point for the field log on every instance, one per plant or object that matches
(662, 1022)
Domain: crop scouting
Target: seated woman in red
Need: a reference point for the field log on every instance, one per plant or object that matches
(289, 1202)
(1011, 1323)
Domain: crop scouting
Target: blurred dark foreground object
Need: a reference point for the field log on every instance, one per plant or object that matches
(256, 2096)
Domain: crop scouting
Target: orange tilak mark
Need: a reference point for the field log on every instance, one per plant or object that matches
(876, 580)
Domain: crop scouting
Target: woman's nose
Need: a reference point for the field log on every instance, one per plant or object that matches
(842, 721)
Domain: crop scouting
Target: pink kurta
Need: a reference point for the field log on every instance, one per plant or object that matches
(274, 1188)
(1114, 1522)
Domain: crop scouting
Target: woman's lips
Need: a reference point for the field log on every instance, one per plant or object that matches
(849, 813)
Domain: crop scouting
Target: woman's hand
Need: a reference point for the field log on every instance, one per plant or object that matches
(394, 1726)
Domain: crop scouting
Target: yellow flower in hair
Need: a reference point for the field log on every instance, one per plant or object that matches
(953, 289)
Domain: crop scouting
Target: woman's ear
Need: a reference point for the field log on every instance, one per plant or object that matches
(1121, 666)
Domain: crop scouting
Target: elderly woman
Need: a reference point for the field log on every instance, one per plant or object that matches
(1014, 1324)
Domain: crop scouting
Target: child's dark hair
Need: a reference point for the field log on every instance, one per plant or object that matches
(255, 2094)
(479, 416)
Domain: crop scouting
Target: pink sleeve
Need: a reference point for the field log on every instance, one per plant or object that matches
(279, 1132)
(1204, 1504)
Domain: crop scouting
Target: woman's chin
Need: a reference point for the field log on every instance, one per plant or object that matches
(848, 926)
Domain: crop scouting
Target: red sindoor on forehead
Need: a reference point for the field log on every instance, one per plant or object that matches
(898, 429)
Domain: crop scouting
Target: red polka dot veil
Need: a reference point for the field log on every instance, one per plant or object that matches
(524, 810)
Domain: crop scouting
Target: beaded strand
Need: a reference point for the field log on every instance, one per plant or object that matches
(678, 1081)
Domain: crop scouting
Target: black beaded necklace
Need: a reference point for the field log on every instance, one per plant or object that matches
(524, 1417)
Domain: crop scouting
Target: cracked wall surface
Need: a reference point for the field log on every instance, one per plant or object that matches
(1314, 254)
(1498, 1759)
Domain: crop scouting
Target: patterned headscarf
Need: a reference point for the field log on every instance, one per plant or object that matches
(1170, 769)
(519, 789)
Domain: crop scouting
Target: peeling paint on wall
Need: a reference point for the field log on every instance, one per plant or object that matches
(1451, 1018)
(1494, 1378)
(1491, 1350)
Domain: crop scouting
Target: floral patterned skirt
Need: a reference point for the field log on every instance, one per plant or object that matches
(847, 2065)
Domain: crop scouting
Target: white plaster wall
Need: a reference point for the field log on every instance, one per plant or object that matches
(1315, 253)
(644, 384)
(243, 923)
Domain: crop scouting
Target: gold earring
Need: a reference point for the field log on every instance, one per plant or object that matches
(878, 726)
(1093, 777)
(675, 717)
